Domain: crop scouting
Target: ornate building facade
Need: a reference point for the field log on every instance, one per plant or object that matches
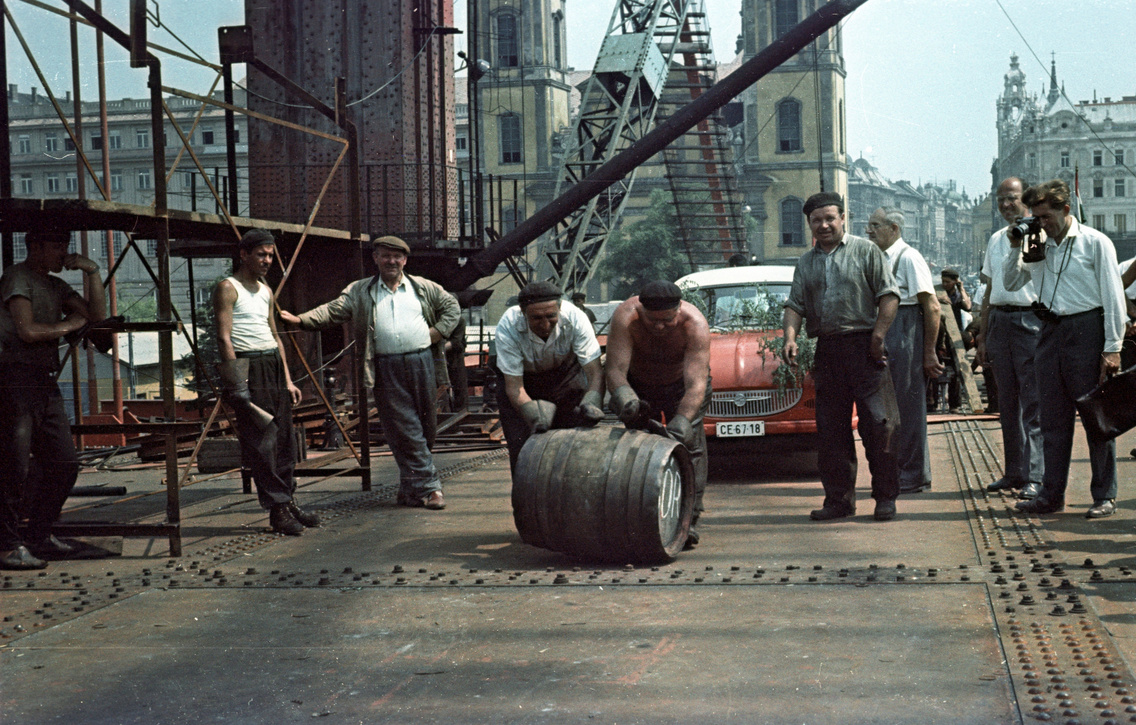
(1093, 142)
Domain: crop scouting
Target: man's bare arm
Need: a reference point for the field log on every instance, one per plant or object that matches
(224, 297)
(931, 313)
(695, 367)
(888, 307)
(619, 347)
(30, 331)
(791, 326)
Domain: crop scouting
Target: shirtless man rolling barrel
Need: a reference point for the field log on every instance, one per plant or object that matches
(658, 369)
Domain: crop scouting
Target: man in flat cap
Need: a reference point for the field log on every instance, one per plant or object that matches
(549, 359)
(37, 309)
(844, 287)
(401, 322)
(658, 367)
(257, 384)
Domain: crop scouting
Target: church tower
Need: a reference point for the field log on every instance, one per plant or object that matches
(520, 103)
(794, 133)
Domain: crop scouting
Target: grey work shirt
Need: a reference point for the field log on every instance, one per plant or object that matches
(839, 291)
(47, 294)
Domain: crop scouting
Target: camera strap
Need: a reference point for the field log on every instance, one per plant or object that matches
(1060, 268)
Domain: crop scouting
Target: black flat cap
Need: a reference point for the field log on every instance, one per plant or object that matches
(660, 295)
(254, 238)
(823, 199)
(534, 292)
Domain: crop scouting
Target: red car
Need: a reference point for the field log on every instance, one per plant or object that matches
(749, 407)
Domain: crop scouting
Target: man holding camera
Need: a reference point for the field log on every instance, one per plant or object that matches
(1007, 340)
(1081, 307)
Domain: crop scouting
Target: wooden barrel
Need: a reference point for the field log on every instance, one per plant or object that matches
(604, 493)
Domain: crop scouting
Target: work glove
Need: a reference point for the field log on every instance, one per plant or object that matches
(680, 429)
(538, 414)
(591, 408)
(625, 404)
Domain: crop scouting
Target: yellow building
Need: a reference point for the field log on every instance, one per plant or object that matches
(520, 106)
(793, 143)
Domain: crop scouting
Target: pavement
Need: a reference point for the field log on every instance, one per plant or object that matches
(958, 611)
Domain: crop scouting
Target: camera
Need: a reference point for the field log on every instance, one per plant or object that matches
(1028, 229)
(1044, 313)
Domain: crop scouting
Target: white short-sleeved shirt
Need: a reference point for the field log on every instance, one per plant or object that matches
(912, 275)
(521, 351)
(997, 249)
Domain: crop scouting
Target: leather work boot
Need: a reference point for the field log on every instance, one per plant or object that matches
(309, 520)
(20, 559)
(51, 549)
(283, 522)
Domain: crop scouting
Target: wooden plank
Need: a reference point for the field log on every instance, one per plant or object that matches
(969, 388)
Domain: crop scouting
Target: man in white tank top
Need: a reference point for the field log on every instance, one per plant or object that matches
(257, 384)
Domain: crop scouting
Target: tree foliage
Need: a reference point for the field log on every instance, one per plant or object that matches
(645, 250)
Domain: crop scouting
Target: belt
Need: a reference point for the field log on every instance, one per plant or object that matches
(257, 353)
(401, 354)
(1070, 316)
(1013, 308)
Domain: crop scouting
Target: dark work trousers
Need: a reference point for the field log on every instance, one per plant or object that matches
(271, 460)
(664, 400)
(33, 423)
(1011, 346)
(405, 395)
(905, 362)
(560, 386)
(844, 374)
(1068, 366)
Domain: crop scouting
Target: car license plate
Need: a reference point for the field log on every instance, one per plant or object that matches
(740, 429)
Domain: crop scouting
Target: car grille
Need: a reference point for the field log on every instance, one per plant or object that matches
(753, 403)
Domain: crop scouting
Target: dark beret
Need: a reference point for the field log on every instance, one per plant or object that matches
(254, 238)
(660, 295)
(391, 243)
(534, 292)
(949, 273)
(823, 199)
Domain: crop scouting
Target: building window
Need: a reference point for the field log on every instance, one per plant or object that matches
(144, 179)
(792, 223)
(142, 138)
(1119, 187)
(784, 16)
(1118, 157)
(557, 50)
(508, 219)
(53, 183)
(461, 143)
(1031, 160)
(119, 244)
(116, 181)
(26, 183)
(1064, 159)
(19, 249)
(789, 125)
(1098, 188)
(25, 144)
(204, 295)
(115, 139)
(152, 248)
(187, 179)
(96, 142)
(236, 135)
(51, 142)
(507, 47)
(510, 138)
(207, 137)
(1098, 221)
(1120, 221)
(1098, 157)
(72, 183)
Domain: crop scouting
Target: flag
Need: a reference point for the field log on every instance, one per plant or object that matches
(1078, 208)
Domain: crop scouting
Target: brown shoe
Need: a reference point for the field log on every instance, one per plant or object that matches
(435, 501)
(308, 519)
(20, 559)
(282, 521)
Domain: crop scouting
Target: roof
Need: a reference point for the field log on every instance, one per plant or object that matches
(756, 274)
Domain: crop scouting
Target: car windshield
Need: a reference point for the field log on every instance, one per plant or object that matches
(746, 306)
